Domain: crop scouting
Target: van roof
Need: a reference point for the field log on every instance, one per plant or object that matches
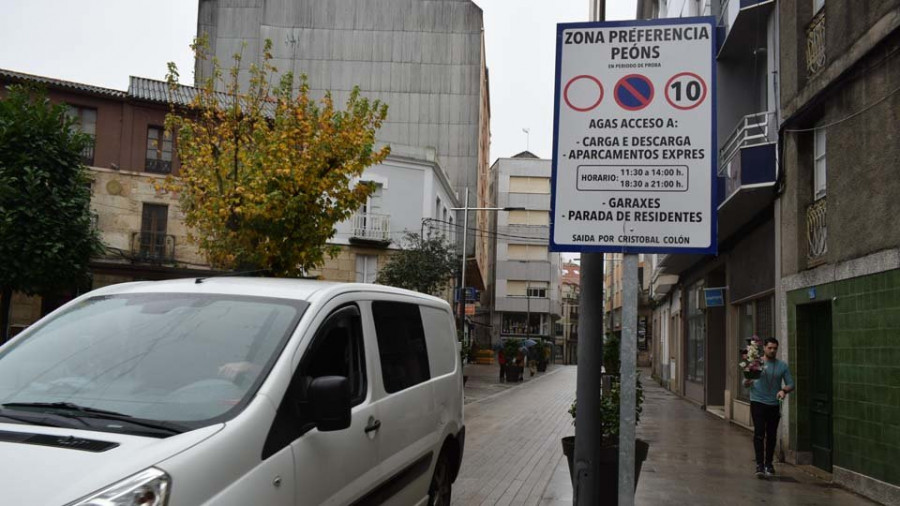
(301, 289)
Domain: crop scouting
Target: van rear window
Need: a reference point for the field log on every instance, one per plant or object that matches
(401, 345)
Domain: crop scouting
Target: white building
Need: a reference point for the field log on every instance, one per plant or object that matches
(525, 288)
(412, 191)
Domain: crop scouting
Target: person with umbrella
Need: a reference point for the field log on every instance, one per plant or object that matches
(528, 357)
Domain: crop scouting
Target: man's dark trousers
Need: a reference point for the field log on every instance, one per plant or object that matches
(765, 425)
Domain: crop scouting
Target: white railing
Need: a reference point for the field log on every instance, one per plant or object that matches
(373, 227)
(816, 232)
(815, 43)
(751, 130)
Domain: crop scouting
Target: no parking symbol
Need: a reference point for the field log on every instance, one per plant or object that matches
(634, 92)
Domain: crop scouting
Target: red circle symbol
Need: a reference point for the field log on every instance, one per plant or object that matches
(578, 78)
(688, 94)
(633, 92)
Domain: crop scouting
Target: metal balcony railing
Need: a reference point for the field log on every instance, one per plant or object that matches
(87, 154)
(372, 227)
(815, 43)
(153, 247)
(157, 166)
(816, 233)
(751, 130)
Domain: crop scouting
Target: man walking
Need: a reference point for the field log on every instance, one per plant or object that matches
(766, 394)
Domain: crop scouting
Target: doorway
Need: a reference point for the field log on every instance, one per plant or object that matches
(814, 331)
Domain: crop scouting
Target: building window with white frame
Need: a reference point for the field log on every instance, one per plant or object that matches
(366, 268)
(820, 175)
(530, 289)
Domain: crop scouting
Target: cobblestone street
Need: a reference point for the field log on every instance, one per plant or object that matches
(513, 453)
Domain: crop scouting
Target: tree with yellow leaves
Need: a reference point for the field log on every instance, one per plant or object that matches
(267, 172)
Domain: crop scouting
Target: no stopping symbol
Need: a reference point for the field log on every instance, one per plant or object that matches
(583, 93)
(685, 91)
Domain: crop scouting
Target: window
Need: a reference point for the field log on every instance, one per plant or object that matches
(437, 208)
(756, 318)
(401, 345)
(527, 252)
(537, 291)
(337, 349)
(366, 268)
(819, 177)
(154, 225)
(152, 355)
(86, 123)
(696, 335)
(518, 184)
(532, 218)
(159, 151)
(372, 204)
(817, 5)
(527, 288)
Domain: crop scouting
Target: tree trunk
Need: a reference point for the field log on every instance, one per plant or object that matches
(5, 304)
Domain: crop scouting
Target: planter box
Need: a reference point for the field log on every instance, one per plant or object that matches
(608, 467)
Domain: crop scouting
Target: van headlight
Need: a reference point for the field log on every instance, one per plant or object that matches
(146, 488)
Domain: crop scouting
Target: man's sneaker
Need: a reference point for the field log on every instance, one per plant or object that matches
(760, 471)
(770, 470)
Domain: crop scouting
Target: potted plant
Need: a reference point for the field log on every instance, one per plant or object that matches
(609, 443)
(541, 354)
(611, 354)
(510, 351)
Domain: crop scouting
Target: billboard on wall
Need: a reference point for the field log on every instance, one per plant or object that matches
(634, 139)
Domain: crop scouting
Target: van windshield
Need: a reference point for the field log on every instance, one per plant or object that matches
(190, 359)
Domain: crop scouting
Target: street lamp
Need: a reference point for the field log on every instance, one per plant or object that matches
(462, 271)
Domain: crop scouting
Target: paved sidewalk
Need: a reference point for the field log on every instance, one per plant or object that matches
(698, 459)
(484, 380)
(513, 436)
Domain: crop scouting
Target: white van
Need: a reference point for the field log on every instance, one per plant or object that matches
(233, 391)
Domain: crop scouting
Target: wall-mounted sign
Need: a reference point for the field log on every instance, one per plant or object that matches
(715, 297)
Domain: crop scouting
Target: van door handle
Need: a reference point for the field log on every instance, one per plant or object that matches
(373, 425)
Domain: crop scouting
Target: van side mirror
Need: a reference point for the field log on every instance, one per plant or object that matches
(329, 397)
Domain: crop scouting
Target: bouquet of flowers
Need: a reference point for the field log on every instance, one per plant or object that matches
(751, 358)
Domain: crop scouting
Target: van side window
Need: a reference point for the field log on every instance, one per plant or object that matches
(336, 350)
(401, 345)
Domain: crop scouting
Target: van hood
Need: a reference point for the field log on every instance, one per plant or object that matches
(56, 466)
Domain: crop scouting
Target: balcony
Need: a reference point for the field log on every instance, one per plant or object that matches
(371, 228)
(157, 166)
(152, 247)
(816, 233)
(746, 171)
(87, 154)
(815, 44)
(741, 26)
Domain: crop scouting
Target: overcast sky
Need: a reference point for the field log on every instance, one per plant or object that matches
(102, 42)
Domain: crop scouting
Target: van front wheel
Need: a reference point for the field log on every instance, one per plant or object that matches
(439, 491)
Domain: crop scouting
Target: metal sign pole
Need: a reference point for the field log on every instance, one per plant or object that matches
(588, 437)
(462, 273)
(628, 379)
(590, 373)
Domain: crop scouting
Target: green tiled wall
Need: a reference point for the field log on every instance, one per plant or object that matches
(866, 373)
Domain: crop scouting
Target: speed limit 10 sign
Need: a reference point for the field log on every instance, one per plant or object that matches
(634, 146)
